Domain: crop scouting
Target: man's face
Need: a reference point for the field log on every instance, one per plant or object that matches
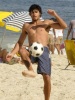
(35, 15)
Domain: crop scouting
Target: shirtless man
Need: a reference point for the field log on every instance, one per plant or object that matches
(37, 31)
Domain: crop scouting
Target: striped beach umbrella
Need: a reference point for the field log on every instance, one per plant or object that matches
(16, 20)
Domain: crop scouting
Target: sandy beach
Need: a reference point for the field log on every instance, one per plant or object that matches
(14, 86)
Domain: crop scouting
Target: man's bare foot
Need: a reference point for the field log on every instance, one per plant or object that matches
(27, 73)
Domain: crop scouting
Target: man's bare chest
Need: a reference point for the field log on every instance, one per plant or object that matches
(37, 29)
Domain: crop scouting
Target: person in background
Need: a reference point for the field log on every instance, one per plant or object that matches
(71, 30)
(58, 37)
(37, 31)
(14, 60)
(51, 40)
(3, 53)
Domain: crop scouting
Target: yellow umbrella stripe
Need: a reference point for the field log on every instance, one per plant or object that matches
(4, 14)
(12, 28)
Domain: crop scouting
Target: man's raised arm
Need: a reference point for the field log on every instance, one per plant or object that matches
(60, 22)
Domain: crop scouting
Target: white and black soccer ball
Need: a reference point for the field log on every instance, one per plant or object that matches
(36, 49)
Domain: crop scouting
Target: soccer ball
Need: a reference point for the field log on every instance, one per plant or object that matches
(36, 49)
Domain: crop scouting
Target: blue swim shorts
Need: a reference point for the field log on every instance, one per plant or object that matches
(44, 62)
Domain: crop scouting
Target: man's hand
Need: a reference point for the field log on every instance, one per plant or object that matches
(51, 12)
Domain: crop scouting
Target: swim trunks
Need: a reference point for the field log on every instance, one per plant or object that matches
(44, 62)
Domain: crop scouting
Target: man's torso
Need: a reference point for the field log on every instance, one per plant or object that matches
(38, 33)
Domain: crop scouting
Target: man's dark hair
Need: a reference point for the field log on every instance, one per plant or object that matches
(35, 6)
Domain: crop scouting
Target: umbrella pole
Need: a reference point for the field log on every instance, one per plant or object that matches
(3, 35)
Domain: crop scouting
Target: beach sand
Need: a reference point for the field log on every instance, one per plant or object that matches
(14, 86)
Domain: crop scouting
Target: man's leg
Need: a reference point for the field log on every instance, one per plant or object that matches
(30, 72)
(26, 59)
(47, 86)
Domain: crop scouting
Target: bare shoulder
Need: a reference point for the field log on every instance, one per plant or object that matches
(26, 24)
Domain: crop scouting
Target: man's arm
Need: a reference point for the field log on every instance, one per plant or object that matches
(60, 24)
(20, 42)
(18, 45)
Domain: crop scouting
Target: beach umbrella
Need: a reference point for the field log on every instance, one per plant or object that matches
(16, 20)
